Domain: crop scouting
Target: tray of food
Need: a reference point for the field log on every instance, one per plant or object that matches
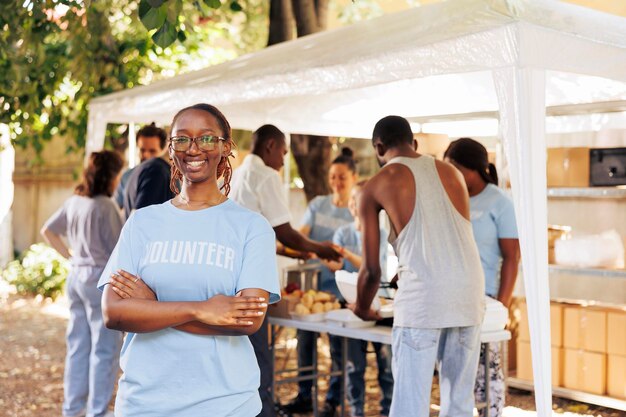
(346, 318)
(313, 306)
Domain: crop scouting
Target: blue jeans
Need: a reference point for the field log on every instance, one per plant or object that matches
(355, 373)
(91, 362)
(454, 350)
(307, 341)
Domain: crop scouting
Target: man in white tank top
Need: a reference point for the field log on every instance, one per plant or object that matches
(438, 308)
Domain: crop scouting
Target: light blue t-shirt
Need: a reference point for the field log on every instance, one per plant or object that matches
(348, 237)
(192, 256)
(324, 218)
(493, 218)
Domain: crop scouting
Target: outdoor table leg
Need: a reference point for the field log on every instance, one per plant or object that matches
(344, 355)
(314, 375)
(272, 347)
(487, 379)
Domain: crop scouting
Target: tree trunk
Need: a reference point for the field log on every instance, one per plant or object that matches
(312, 153)
(281, 22)
(306, 17)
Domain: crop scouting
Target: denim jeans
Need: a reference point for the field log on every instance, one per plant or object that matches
(355, 373)
(454, 350)
(91, 362)
(307, 341)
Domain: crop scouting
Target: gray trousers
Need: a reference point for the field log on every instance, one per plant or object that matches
(91, 362)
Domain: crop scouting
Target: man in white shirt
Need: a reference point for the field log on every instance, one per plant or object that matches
(257, 186)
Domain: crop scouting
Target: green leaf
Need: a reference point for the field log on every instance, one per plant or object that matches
(156, 3)
(165, 36)
(214, 4)
(236, 7)
(152, 18)
(173, 11)
(182, 36)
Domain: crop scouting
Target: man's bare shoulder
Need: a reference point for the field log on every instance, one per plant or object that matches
(391, 172)
(448, 173)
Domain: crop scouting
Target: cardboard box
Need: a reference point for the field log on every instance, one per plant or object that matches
(616, 376)
(283, 308)
(568, 167)
(584, 371)
(616, 333)
(556, 324)
(585, 329)
(524, 363)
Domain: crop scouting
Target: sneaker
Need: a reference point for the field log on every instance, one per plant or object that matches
(299, 405)
(329, 410)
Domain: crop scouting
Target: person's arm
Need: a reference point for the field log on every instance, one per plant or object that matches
(128, 286)
(219, 315)
(55, 241)
(354, 259)
(54, 227)
(369, 273)
(508, 273)
(295, 240)
(305, 229)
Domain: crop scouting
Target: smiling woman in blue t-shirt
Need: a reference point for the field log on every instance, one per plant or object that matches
(189, 278)
(495, 232)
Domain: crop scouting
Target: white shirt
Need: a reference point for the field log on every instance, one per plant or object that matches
(258, 187)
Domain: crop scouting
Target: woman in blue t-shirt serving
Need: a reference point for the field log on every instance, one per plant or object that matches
(189, 278)
(495, 232)
(324, 215)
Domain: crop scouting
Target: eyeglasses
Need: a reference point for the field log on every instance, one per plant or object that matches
(204, 142)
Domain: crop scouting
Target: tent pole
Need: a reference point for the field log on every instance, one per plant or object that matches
(287, 166)
(521, 97)
(132, 146)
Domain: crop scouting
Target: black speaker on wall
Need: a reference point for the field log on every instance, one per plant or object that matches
(607, 166)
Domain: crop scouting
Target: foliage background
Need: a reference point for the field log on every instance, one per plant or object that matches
(55, 55)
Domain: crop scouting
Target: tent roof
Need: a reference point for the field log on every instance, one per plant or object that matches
(426, 60)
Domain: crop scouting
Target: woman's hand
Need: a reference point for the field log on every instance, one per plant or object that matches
(223, 310)
(127, 285)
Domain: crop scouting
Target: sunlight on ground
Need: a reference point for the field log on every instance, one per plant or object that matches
(59, 308)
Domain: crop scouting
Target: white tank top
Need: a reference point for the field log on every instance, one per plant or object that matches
(441, 282)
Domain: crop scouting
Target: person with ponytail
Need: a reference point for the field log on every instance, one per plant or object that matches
(324, 215)
(92, 223)
(495, 233)
(189, 280)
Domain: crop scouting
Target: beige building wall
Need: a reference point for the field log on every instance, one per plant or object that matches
(41, 189)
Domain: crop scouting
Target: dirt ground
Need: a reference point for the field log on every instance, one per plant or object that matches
(32, 351)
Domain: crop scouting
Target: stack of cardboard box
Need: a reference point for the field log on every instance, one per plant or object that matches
(524, 363)
(584, 340)
(588, 348)
(616, 349)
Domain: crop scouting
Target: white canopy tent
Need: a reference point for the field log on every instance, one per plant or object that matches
(509, 57)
